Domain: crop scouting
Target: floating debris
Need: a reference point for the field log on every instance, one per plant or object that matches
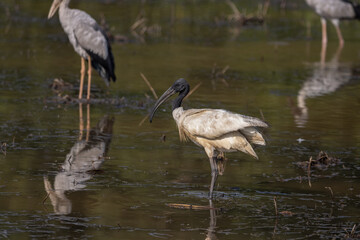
(188, 206)
(3, 148)
(58, 86)
(218, 73)
(242, 19)
(322, 162)
(140, 28)
(114, 38)
(286, 213)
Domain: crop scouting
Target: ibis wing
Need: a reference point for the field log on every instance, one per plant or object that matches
(213, 123)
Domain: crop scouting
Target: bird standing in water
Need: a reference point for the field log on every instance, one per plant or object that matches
(88, 40)
(334, 10)
(216, 130)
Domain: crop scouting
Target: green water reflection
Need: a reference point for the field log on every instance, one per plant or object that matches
(274, 70)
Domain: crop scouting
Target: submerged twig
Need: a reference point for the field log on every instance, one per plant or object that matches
(275, 206)
(262, 115)
(309, 171)
(149, 85)
(46, 197)
(3, 148)
(188, 206)
(331, 191)
(143, 120)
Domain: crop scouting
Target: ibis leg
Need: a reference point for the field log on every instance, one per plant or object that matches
(324, 32)
(89, 78)
(82, 72)
(214, 175)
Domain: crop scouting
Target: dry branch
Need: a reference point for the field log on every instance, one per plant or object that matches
(188, 206)
(193, 90)
(275, 206)
(149, 85)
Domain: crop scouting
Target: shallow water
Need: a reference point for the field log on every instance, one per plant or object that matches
(59, 179)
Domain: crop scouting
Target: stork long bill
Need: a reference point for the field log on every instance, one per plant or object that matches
(166, 95)
(54, 6)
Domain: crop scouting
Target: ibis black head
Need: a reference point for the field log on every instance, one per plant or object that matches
(180, 86)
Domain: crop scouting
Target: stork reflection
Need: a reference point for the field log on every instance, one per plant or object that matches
(326, 78)
(86, 156)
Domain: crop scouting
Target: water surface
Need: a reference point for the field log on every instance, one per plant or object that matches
(104, 176)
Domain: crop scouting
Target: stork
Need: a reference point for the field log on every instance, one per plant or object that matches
(216, 130)
(334, 10)
(88, 40)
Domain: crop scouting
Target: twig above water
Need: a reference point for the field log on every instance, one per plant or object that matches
(193, 90)
(149, 85)
(188, 206)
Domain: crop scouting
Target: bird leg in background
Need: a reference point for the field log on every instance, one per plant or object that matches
(87, 121)
(335, 22)
(82, 72)
(81, 123)
(89, 78)
(323, 54)
(324, 32)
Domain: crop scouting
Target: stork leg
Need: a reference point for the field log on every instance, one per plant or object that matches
(324, 32)
(89, 78)
(82, 72)
(335, 22)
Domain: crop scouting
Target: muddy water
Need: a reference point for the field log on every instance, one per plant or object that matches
(104, 176)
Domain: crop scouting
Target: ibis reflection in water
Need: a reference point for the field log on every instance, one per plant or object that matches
(85, 157)
(334, 10)
(216, 130)
(88, 40)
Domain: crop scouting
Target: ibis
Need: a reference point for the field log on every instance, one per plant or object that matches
(334, 10)
(88, 40)
(216, 130)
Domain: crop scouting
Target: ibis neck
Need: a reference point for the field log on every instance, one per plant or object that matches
(177, 102)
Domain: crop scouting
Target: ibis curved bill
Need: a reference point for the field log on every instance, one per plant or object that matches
(88, 40)
(216, 130)
(334, 10)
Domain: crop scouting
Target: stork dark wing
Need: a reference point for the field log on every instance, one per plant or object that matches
(91, 38)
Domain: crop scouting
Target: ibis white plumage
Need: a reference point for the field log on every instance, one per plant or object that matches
(216, 130)
(88, 40)
(334, 10)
